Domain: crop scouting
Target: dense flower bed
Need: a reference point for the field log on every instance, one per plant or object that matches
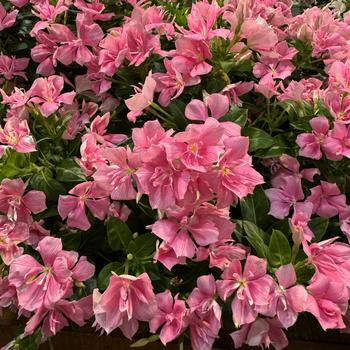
(176, 168)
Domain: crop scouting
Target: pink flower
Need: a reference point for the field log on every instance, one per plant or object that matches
(75, 48)
(327, 301)
(160, 180)
(278, 69)
(267, 86)
(217, 104)
(12, 66)
(262, 332)
(172, 83)
(282, 198)
(140, 43)
(166, 256)
(304, 89)
(113, 53)
(56, 318)
(190, 56)
(337, 144)
(43, 286)
(47, 93)
(235, 176)
(11, 234)
(72, 206)
(198, 147)
(120, 211)
(17, 205)
(288, 299)
(93, 10)
(205, 314)
(233, 91)
(260, 36)
(201, 21)
(327, 199)
(253, 288)
(142, 99)
(171, 315)
(7, 20)
(299, 223)
(36, 233)
(118, 175)
(330, 260)
(126, 301)
(310, 143)
(16, 135)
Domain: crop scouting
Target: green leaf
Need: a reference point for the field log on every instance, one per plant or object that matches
(255, 207)
(258, 139)
(304, 273)
(43, 181)
(236, 115)
(143, 245)
(105, 274)
(118, 234)
(256, 237)
(280, 252)
(319, 227)
(69, 171)
(177, 110)
(274, 151)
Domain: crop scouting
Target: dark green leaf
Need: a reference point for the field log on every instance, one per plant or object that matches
(304, 273)
(118, 234)
(319, 227)
(69, 171)
(258, 139)
(236, 115)
(279, 249)
(143, 245)
(105, 274)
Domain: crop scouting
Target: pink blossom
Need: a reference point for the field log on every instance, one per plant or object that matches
(190, 56)
(118, 210)
(237, 89)
(119, 174)
(36, 233)
(274, 67)
(217, 104)
(288, 298)
(17, 205)
(47, 93)
(43, 286)
(267, 86)
(7, 20)
(299, 222)
(19, 3)
(339, 105)
(310, 143)
(160, 180)
(264, 332)
(304, 89)
(171, 315)
(113, 53)
(166, 256)
(327, 301)
(142, 99)
(331, 259)
(235, 177)
(11, 234)
(16, 134)
(201, 21)
(337, 144)
(56, 318)
(253, 288)
(172, 83)
(140, 43)
(75, 48)
(284, 197)
(260, 36)
(327, 199)
(93, 11)
(72, 206)
(12, 66)
(205, 314)
(198, 146)
(126, 301)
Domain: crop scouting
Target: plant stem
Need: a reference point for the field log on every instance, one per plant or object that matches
(51, 344)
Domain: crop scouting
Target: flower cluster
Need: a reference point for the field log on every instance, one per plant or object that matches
(184, 167)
